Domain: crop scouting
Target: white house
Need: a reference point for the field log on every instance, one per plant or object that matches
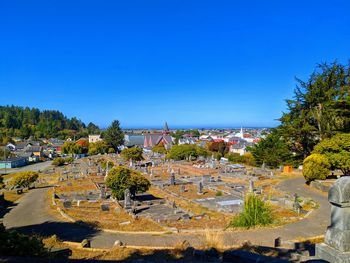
(95, 138)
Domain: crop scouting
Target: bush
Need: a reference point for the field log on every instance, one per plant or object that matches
(24, 179)
(159, 149)
(16, 244)
(59, 161)
(121, 178)
(255, 213)
(69, 160)
(184, 151)
(132, 153)
(111, 150)
(218, 193)
(316, 166)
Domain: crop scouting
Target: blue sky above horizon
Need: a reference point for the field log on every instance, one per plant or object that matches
(190, 63)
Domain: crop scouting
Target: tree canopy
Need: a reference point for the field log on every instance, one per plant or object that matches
(114, 135)
(31, 122)
(134, 154)
(184, 151)
(121, 178)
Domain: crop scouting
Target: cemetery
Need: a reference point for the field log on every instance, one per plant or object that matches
(183, 195)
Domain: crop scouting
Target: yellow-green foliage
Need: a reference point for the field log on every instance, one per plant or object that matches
(24, 179)
(132, 153)
(255, 213)
(316, 166)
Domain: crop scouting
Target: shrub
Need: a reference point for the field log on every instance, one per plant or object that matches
(160, 148)
(121, 178)
(255, 213)
(218, 193)
(132, 153)
(111, 150)
(16, 244)
(184, 151)
(69, 160)
(59, 161)
(24, 179)
(316, 166)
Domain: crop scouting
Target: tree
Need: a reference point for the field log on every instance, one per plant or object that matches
(319, 109)
(273, 151)
(315, 166)
(114, 136)
(24, 179)
(59, 161)
(134, 154)
(184, 151)
(159, 149)
(121, 178)
(98, 147)
(337, 151)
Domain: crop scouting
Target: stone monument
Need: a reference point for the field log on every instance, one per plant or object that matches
(336, 247)
(200, 188)
(251, 186)
(127, 199)
(172, 178)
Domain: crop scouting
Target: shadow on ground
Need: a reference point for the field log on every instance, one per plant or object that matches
(75, 232)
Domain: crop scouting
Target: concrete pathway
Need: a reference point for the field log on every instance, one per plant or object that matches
(30, 216)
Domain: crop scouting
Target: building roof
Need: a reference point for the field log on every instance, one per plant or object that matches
(34, 149)
(134, 140)
(14, 159)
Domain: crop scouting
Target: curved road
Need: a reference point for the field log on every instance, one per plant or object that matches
(29, 216)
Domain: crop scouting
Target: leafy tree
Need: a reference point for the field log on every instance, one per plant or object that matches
(247, 158)
(98, 147)
(13, 243)
(121, 178)
(59, 161)
(134, 154)
(24, 179)
(255, 213)
(114, 135)
(221, 147)
(319, 109)
(315, 166)
(111, 150)
(273, 151)
(92, 128)
(184, 151)
(104, 164)
(337, 151)
(159, 149)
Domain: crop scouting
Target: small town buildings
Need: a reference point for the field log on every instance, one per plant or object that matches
(94, 138)
(13, 162)
(151, 140)
(131, 140)
(35, 150)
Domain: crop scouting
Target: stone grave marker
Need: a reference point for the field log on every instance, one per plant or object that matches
(67, 204)
(336, 247)
(105, 207)
(200, 188)
(127, 199)
(172, 178)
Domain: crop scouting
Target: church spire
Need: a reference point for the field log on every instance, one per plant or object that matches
(166, 128)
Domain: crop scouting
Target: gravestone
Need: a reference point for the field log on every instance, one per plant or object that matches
(336, 247)
(127, 199)
(105, 207)
(200, 188)
(102, 193)
(172, 178)
(251, 186)
(182, 188)
(67, 204)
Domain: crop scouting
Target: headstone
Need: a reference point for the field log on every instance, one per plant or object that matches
(251, 186)
(102, 193)
(172, 178)
(67, 204)
(336, 247)
(127, 199)
(182, 188)
(105, 207)
(200, 188)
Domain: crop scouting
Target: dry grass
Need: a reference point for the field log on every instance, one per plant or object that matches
(12, 196)
(213, 239)
(191, 191)
(77, 185)
(91, 213)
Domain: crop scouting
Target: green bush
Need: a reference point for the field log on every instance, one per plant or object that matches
(132, 153)
(316, 166)
(184, 151)
(111, 150)
(255, 213)
(218, 193)
(121, 178)
(69, 160)
(59, 161)
(16, 244)
(24, 179)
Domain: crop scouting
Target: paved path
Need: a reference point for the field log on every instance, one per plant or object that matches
(29, 216)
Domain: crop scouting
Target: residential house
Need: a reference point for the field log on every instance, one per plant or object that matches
(94, 138)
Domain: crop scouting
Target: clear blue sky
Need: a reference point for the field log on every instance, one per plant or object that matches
(191, 63)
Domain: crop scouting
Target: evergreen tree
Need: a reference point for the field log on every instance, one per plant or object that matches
(114, 135)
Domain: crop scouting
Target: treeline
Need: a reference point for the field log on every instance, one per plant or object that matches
(25, 122)
(319, 110)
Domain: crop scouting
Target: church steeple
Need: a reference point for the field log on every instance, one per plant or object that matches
(166, 128)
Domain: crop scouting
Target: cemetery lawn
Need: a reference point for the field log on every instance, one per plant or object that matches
(12, 196)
